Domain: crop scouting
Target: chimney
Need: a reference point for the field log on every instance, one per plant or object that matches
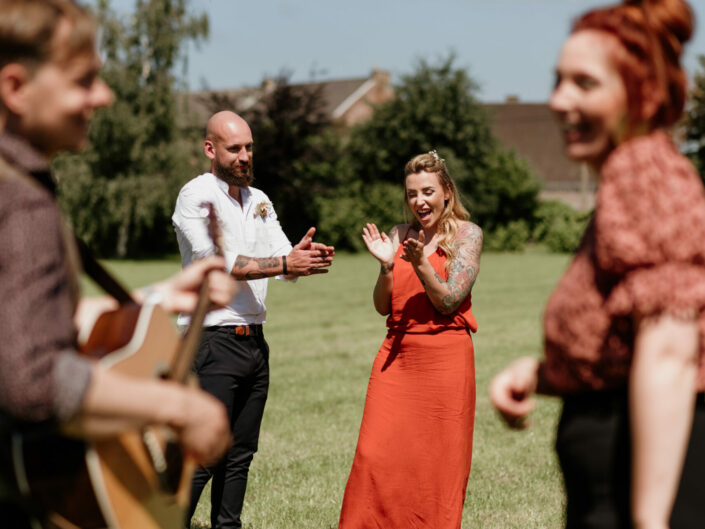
(268, 85)
(381, 76)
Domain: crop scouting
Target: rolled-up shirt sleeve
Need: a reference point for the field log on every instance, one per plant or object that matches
(279, 243)
(191, 227)
(41, 376)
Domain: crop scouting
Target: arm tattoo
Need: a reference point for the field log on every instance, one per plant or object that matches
(463, 269)
(263, 264)
(242, 261)
(268, 262)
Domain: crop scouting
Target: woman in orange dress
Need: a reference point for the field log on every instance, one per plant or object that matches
(413, 454)
(625, 327)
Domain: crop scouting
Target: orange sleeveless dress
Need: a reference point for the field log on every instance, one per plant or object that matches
(413, 454)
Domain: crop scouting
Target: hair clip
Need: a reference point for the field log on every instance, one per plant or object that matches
(435, 156)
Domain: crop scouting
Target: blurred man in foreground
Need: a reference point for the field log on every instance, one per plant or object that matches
(49, 89)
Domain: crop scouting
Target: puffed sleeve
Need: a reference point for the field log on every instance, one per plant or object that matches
(650, 229)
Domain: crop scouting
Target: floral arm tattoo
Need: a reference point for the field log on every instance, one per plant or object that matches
(463, 269)
(246, 268)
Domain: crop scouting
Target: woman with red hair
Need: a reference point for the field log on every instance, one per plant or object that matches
(625, 327)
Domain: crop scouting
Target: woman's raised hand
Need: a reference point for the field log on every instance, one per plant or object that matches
(378, 243)
(413, 249)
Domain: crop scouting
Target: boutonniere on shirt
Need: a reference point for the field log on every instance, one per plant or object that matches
(262, 209)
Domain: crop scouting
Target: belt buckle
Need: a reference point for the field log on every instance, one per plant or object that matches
(241, 330)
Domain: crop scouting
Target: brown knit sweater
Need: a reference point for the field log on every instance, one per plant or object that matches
(41, 376)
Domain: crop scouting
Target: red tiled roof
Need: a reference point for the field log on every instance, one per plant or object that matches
(531, 131)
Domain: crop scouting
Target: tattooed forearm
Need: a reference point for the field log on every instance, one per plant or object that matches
(264, 263)
(246, 268)
(463, 269)
(242, 261)
(459, 286)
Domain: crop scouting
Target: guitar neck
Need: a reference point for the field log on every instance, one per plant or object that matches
(188, 347)
(185, 356)
(101, 276)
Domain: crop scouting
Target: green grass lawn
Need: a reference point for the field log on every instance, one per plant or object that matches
(324, 333)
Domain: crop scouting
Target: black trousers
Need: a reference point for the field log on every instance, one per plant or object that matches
(593, 445)
(235, 369)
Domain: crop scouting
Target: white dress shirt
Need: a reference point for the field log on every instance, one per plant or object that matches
(251, 230)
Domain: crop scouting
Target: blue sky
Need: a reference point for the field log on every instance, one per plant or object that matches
(508, 46)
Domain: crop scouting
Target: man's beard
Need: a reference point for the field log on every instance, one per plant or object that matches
(235, 176)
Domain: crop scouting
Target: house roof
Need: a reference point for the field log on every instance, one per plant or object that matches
(530, 130)
(338, 92)
(337, 96)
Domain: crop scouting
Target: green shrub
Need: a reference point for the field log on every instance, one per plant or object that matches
(559, 226)
(343, 214)
(511, 237)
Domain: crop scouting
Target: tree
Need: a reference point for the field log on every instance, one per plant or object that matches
(695, 122)
(297, 156)
(120, 193)
(435, 108)
(288, 126)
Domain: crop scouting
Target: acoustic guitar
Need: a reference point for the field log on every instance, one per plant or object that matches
(139, 479)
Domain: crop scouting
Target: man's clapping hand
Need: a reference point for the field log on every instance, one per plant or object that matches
(309, 257)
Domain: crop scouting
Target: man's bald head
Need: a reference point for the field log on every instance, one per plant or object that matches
(221, 122)
(228, 145)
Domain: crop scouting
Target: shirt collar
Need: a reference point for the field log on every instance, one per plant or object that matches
(245, 192)
(22, 155)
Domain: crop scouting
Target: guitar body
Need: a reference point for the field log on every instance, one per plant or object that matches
(136, 480)
(112, 483)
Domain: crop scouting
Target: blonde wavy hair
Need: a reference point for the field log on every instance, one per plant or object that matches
(453, 212)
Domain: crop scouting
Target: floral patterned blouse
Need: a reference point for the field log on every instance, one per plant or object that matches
(643, 253)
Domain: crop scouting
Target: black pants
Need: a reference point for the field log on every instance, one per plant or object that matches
(593, 445)
(235, 369)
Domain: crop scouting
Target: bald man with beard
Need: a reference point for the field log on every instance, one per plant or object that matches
(233, 360)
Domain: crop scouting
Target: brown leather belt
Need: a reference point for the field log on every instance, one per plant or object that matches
(239, 330)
